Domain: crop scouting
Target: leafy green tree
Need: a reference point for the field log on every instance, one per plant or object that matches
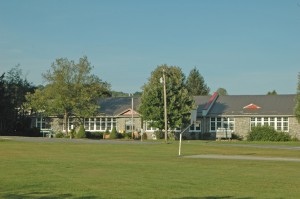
(195, 83)
(272, 92)
(222, 91)
(297, 108)
(71, 90)
(179, 102)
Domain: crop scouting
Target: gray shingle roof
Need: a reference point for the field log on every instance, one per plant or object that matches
(234, 105)
(230, 105)
(116, 105)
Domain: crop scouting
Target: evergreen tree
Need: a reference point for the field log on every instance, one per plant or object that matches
(272, 92)
(13, 88)
(195, 84)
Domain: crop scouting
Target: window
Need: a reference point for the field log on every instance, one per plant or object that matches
(103, 125)
(221, 122)
(278, 123)
(195, 127)
(149, 127)
(40, 123)
(99, 124)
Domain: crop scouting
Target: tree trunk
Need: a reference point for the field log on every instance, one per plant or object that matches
(66, 116)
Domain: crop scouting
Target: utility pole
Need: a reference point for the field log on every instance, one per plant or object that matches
(132, 134)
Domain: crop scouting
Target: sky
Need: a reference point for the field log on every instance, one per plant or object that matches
(244, 46)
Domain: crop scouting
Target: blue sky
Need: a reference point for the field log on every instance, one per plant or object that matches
(244, 46)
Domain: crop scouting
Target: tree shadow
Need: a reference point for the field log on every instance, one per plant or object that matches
(214, 197)
(43, 195)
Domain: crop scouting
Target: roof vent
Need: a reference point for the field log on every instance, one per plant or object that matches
(252, 107)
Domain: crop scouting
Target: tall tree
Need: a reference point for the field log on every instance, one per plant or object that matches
(222, 91)
(272, 92)
(195, 83)
(179, 102)
(13, 88)
(71, 90)
(297, 108)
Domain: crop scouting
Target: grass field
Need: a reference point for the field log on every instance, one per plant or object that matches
(92, 170)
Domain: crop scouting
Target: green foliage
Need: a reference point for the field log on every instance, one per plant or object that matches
(267, 133)
(144, 136)
(59, 135)
(71, 89)
(222, 91)
(13, 88)
(94, 135)
(272, 92)
(179, 102)
(195, 83)
(81, 132)
(127, 135)
(159, 134)
(114, 133)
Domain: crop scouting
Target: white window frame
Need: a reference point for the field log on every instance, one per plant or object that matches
(40, 123)
(279, 123)
(221, 122)
(196, 127)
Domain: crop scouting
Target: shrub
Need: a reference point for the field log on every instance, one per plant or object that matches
(81, 132)
(94, 135)
(114, 133)
(159, 134)
(127, 135)
(144, 136)
(267, 133)
(59, 135)
(236, 137)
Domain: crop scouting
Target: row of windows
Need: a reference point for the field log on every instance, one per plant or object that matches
(221, 122)
(278, 123)
(99, 124)
(104, 123)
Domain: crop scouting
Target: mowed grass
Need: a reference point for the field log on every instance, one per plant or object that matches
(93, 170)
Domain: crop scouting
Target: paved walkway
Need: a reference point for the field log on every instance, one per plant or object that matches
(242, 157)
(65, 140)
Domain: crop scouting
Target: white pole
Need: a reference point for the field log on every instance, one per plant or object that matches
(165, 107)
(180, 137)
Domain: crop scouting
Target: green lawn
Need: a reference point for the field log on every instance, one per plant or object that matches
(89, 170)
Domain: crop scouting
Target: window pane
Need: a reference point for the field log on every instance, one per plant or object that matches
(97, 123)
(103, 124)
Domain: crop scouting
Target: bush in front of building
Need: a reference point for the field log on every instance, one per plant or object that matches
(59, 135)
(159, 134)
(81, 132)
(144, 136)
(94, 135)
(114, 133)
(267, 133)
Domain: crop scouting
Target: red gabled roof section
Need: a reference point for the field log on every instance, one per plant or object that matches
(211, 100)
(128, 112)
(210, 103)
(252, 107)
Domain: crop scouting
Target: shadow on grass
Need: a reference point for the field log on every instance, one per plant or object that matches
(43, 195)
(214, 197)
